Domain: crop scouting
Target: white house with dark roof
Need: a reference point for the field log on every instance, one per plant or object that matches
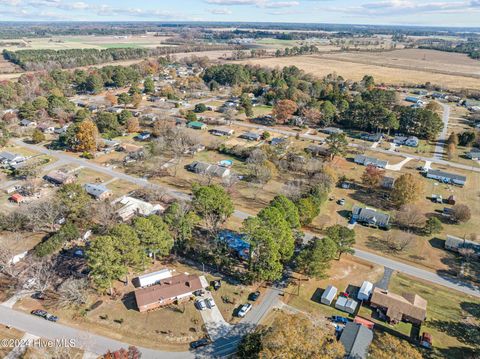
(98, 191)
(10, 159)
(446, 177)
(370, 161)
(370, 217)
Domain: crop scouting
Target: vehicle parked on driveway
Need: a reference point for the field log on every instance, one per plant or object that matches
(216, 284)
(254, 296)
(210, 302)
(199, 343)
(341, 202)
(200, 304)
(244, 309)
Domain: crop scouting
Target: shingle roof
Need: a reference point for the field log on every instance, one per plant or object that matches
(356, 339)
(409, 304)
(167, 289)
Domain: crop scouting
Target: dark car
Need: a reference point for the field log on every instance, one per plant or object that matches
(51, 318)
(254, 296)
(38, 295)
(216, 284)
(199, 343)
(39, 313)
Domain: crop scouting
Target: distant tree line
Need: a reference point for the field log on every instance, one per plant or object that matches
(471, 47)
(35, 60)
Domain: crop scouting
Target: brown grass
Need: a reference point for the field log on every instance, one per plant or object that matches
(355, 66)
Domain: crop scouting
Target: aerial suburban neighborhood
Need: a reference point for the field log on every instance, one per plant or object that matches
(199, 189)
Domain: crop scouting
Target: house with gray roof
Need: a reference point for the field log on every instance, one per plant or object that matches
(455, 244)
(446, 177)
(356, 339)
(10, 159)
(370, 161)
(370, 217)
(208, 169)
(97, 191)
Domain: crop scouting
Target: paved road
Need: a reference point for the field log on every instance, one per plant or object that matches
(474, 167)
(440, 146)
(88, 341)
(399, 266)
(449, 282)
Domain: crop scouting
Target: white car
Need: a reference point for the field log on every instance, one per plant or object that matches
(244, 309)
(200, 304)
(210, 302)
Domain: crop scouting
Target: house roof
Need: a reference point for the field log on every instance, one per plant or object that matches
(250, 135)
(167, 289)
(17, 197)
(365, 160)
(132, 206)
(58, 176)
(356, 339)
(409, 304)
(207, 168)
(452, 176)
(370, 214)
(456, 242)
(9, 156)
(96, 190)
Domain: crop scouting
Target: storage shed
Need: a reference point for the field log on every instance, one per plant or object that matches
(328, 295)
(153, 278)
(365, 291)
(346, 304)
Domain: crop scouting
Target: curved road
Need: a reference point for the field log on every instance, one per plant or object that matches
(221, 347)
(374, 258)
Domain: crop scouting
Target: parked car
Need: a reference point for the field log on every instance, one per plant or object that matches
(341, 202)
(199, 343)
(344, 294)
(426, 340)
(352, 221)
(200, 304)
(254, 296)
(210, 302)
(339, 319)
(38, 295)
(198, 293)
(39, 313)
(216, 284)
(244, 309)
(51, 318)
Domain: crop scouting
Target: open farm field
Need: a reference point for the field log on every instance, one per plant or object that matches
(407, 73)
(85, 42)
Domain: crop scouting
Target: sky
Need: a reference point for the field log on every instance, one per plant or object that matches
(395, 12)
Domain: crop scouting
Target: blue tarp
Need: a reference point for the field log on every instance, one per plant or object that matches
(235, 242)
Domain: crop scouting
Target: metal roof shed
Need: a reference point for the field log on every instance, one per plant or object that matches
(328, 295)
(154, 277)
(346, 305)
(365, 291)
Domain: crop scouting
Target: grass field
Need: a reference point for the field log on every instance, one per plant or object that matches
(384, 70)
(86, 42)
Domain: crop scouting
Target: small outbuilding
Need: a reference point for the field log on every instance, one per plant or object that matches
(17, 198)
(152, 278)
(365, 291)
(356, 339)
(346, 304)
(328, 295)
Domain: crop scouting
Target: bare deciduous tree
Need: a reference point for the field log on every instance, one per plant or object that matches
(410, 217)
(45, 215)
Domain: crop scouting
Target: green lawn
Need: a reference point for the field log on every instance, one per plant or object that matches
(453, 319)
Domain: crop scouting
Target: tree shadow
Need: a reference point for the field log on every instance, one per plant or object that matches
(372, 199)
(456, 353)
(436, 242)
(466, 333)
(317, 295)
